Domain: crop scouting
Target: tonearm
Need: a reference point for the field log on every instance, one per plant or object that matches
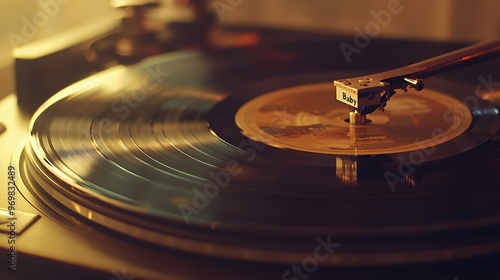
(368, 93)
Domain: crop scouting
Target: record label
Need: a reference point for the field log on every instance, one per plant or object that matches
(308, 118)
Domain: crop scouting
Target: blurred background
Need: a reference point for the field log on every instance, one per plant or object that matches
(444, 20)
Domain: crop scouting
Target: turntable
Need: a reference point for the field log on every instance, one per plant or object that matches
(267, 161)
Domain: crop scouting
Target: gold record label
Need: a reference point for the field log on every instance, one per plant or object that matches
(308, 118)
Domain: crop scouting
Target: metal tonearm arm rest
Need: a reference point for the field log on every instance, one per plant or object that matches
(367, 93)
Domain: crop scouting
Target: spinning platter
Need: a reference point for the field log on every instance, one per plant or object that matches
(173, 164)
(244, 155)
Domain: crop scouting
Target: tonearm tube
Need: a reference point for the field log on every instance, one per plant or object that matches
(368, 93)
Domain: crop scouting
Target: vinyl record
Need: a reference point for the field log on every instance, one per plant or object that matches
(245, 154)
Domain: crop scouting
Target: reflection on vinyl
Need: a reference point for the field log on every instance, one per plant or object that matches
(211, 154)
